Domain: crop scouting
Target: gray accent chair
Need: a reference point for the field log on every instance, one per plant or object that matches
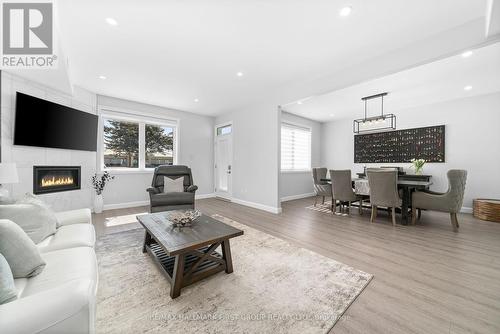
(450, 201)
(383, 191)
(342, 190)
(161, 201)
(321, 188)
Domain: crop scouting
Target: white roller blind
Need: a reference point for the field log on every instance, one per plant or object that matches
(295, 147)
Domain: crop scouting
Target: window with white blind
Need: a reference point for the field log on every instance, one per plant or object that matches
(295, 148)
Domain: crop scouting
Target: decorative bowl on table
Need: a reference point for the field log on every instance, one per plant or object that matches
(183, 218)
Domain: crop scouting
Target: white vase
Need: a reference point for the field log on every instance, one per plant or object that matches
(98, 203)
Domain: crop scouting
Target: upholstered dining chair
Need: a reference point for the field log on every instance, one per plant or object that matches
(450, 201)
(164, 199)
(383, 191)
(342, 190)
(321, 188)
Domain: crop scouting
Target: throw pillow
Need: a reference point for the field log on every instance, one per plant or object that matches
(19, 250)
(36, 220)
(173, 185)
(8, 290)
(29, 198)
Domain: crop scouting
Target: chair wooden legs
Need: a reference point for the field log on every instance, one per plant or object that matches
(454, 221)
(419, 213)
(393, 214)
(323, 201)
(360, 207)
(374, 213)
(413, 215)
(315, 200)
(334, 206)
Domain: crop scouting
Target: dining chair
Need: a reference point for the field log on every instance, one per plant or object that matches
(321, 188)
(449, 201)
(383, 191)
(342, 190)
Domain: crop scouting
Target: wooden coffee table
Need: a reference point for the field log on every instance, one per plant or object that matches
(187, 255)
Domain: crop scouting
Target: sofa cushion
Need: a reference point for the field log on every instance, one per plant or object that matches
(20, 285)
(19, 250)
(172, 198)
(7, 287)
(79, 216)
(69, 236)
(37, 221)
(63, 266)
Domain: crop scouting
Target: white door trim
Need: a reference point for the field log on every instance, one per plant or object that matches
(230, 187)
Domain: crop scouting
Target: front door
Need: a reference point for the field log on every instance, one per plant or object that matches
(223, 160)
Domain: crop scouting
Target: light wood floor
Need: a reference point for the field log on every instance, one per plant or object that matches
(428, 279)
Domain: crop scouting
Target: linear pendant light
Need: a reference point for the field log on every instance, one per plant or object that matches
(375, 123)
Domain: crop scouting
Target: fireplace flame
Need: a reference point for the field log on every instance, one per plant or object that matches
(49, 181)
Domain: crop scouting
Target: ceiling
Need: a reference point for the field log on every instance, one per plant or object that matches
(170, 53)
(186, 54)
(426, 84)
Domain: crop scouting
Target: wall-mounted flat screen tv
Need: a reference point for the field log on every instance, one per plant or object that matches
(46, 124)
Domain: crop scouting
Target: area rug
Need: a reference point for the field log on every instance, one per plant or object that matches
(276, 287)
(321, 207)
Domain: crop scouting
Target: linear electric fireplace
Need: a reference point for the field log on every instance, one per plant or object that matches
(49, 179)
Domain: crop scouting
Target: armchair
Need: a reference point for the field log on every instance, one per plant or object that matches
(166, 201)
(450, 201)
(321, 188)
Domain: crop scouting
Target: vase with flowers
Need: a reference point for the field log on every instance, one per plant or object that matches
(98, 183)
(418, 165)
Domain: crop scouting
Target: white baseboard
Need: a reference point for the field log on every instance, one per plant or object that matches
(465, 209)
(144, 203)
(293, 197)
(257, 205)
(203, 196)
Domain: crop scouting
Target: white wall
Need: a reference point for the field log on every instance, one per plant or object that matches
(195, 150)
(472, 143)
(26, 157)
(295, 185)
(255, 156)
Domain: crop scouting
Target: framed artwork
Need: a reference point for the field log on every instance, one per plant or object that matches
(401, 145)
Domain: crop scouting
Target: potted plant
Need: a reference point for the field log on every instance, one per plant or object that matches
(99, 183)
(418, 165)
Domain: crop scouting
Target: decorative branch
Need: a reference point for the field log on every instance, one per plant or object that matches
(98, 183)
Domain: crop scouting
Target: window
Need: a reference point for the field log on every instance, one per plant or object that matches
(121, 144)
(159, 145)
(295, 148)
(224, 130)
(130, 143)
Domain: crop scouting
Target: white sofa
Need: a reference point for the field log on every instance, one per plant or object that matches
(61, 299)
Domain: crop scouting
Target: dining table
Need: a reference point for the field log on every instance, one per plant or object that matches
(361, 187)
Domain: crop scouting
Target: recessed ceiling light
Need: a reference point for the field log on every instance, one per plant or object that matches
(102, 77)
(299, 102)
(468, 87)
(331, 115)
(467, 54)
(111, 21)
(196, 100)
(240, 74)
(345, 11)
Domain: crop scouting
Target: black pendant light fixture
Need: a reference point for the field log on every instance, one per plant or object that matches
(375, 123)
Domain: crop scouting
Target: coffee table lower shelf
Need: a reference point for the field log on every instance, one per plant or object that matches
(208, 266)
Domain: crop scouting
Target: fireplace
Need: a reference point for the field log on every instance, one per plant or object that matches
(49, 179)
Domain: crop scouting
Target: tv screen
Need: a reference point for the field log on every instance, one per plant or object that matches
(46, 124)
